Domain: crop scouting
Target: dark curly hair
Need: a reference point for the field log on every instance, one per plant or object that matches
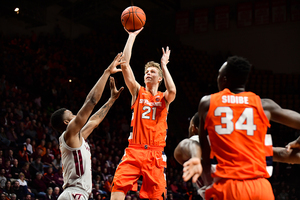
(57, 121)
(238, 70)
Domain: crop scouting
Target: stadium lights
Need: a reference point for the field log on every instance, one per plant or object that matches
(17, 10)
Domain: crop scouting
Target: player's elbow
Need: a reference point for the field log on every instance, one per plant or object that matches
(93, 124)
(92, 101)
(181, 152)
(171, 95)
(176, 152)
(178, 155)
(172, 91)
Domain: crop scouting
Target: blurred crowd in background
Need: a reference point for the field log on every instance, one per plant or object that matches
(41, 73)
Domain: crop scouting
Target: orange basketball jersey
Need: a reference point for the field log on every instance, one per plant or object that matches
(149, 119)
(237, 130)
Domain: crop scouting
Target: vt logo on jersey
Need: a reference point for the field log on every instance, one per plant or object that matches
(76, 196)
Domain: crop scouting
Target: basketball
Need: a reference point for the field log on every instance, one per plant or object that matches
(133, 18)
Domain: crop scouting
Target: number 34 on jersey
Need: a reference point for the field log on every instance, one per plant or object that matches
(227, 126)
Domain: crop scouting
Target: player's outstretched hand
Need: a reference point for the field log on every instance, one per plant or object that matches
(294, 144)
(165, 57)
(112, 68)
(192, 169)
(114, 93)
(135, 33)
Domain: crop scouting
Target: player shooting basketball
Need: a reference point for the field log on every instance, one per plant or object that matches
(144, 155)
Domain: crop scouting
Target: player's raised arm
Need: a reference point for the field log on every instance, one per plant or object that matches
(129, 78)
(170, 92)
(97, 118)
(283, 116)
(92, 99)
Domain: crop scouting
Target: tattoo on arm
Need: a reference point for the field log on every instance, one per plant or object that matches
(103, 111)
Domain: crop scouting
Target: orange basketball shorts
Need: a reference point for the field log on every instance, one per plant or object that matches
(250, 189)
(146, 161)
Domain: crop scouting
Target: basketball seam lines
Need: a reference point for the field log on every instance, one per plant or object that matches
(140, 20)
(127, 19)
(133, 19)
(136, 14)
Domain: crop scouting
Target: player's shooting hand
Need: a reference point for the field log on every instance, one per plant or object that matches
(135, 33)
(165, 57)
(112, 68)
(192, 169)
(114, 93)
(294, 144)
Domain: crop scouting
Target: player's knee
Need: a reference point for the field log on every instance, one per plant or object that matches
(117, 196)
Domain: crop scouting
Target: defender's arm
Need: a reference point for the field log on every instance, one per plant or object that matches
(97, 118)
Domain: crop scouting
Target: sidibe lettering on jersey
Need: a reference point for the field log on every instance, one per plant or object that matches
(147, 102)
(234, 99)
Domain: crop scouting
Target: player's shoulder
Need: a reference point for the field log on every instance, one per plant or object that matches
(204, 104)
(61, 137)
(161, 93)
(141, 88)
(136, 89)
(195, 138)
(268, 104)
(205, 98)
(266, 100)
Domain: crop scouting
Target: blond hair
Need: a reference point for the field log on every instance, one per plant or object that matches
(156, 65)
(21, 174)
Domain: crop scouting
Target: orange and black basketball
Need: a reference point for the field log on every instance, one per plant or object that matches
(133, 18)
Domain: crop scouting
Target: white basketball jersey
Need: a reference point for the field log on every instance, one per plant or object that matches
(195, 138)
(76, 162)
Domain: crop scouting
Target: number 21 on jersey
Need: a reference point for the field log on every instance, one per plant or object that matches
(147, 113)
(246, 116)
(147, 110)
